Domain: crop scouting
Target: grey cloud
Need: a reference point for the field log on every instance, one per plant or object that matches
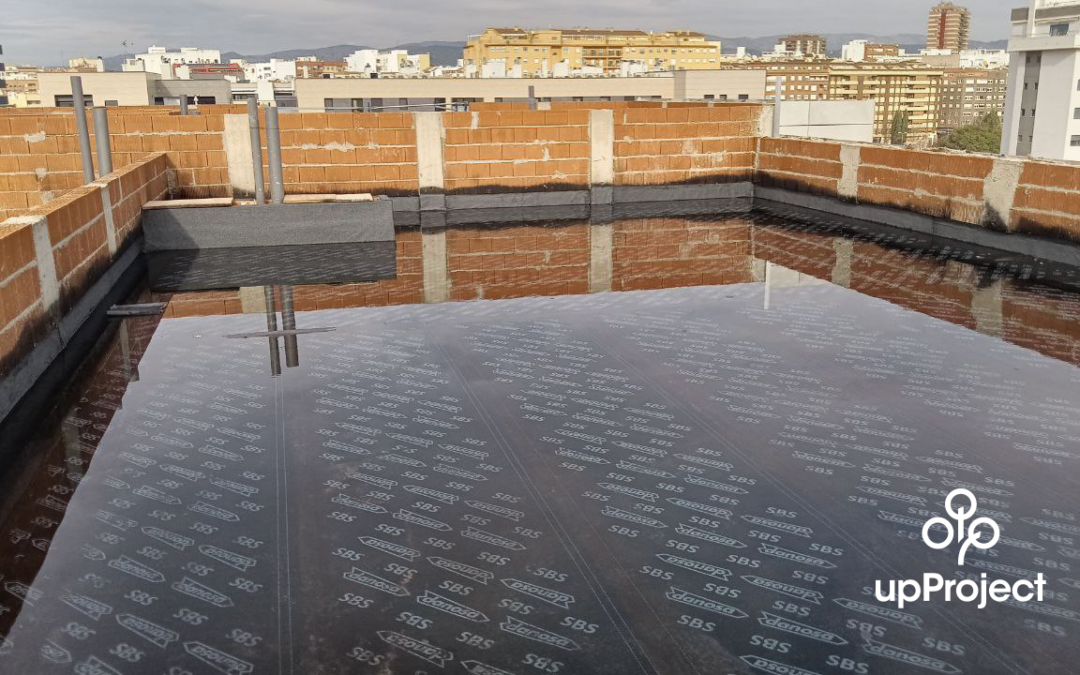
(47, 32)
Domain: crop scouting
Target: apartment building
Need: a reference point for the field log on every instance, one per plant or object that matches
(969, 93)
(948, 27)
(807, 45)
(321, 69)
(379, 93)
(909, 89)
(1042, 109)
(518, 52)
(911, 92)
(799, 79)
(396, 62)
(864, 50)
(164, 62)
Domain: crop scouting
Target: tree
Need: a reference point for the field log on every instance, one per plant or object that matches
(898, 133)
(984, 135)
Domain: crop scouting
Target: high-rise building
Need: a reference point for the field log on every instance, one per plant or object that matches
(807, 45)
(1042, 107)
(948, 27)
(969, 93)
(516, 52)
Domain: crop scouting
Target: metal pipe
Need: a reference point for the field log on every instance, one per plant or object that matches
(256, 150)
(273, 156)
(271, 327)
(104, 144)
(183, 104)
(288, 322)
(84, 131)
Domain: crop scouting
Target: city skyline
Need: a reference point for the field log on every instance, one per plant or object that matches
(76, 29)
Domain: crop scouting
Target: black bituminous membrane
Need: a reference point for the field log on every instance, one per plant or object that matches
(701, 480)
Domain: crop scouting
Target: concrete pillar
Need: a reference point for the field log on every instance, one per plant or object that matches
(986, 307)
(601, 155)
(999, 190)
(46, 264)
(110, 222)
(679, 89)
(430, 136)
(601, 253)
(848, 187)
(252, 300)
(433, 248)
(841, 273)
(237, 140)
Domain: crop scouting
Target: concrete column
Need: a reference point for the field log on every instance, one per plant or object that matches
(841, 273)
(237, 140)
(986, 306)
(46, 264)
(106, 209)
(430, 136)
(252, 300)
(601, 155)
(999, 190)
(848, 187)
(436, 272)
(601, 252)
(679, 92)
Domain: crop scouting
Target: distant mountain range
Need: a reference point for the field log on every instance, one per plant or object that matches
(445, 53)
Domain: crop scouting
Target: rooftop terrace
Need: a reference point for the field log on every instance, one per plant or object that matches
(588, 433)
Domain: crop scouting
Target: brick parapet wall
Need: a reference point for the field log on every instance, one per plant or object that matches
(1038, 197)
(53, 253)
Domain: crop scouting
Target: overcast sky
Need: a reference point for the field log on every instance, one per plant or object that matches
(51, 31)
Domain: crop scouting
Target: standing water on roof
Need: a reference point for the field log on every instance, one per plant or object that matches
(707, 473)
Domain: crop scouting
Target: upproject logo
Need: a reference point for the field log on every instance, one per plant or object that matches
(981, 533)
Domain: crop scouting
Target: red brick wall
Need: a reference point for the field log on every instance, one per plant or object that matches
(801, 166)
(680, 145)
(78, 245)
(945, 185)
(650, 253)
(40, 159)
(515, 151)
(348, 152)
(939, 184)
(488, 262)
(1047, 201)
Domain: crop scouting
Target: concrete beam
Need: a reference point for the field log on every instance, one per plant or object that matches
(271, 225)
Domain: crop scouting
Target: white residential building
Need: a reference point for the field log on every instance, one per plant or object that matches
(164, 62)
(274, 70)
(1042, 106)
(965, 58)
(394, 62)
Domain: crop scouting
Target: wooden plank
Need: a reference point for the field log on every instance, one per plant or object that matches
(188, 203)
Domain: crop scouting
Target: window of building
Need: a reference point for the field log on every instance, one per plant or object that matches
(1075, 141)
(744, 97)
(111, 101)
(1059, 29)
(1076, 113)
